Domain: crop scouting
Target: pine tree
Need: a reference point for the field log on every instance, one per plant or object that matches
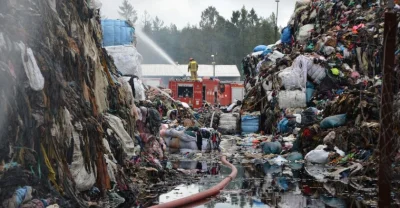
(128, 12)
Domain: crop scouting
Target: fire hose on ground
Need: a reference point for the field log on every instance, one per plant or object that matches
(205, 194)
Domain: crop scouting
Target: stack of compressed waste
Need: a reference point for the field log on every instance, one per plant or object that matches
(228, 123)
(318, 88)
(75, 130)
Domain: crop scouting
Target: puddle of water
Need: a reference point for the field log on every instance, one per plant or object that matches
(265, 185)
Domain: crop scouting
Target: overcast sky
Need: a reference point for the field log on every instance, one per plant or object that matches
(182, 12)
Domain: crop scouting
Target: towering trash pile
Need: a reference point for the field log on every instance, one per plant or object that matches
(69, 126)
(318, 88)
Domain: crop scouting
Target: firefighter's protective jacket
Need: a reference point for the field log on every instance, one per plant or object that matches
(193, 66)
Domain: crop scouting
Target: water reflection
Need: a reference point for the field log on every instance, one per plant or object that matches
(265, 185)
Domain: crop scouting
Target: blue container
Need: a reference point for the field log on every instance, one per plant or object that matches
(117, 32)
(250, 124)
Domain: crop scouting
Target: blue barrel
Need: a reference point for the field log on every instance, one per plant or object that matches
(250, 124)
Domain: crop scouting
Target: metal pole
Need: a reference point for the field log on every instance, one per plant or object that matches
(276, 20)
(214, 69)
(386, 114)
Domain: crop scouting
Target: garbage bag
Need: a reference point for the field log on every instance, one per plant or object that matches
(293, 156)
(286, 36)
(317, 156)
(308, 117)
(127, 59)
(271, 147)
(260, 48)
(333, 121)
(292, 99)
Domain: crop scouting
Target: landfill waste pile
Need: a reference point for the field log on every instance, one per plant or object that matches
(75, 128)
(316, 96)
(209, 116)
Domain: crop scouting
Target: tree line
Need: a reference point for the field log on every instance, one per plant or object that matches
(228, 39)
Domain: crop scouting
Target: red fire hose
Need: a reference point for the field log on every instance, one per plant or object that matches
(205, 194)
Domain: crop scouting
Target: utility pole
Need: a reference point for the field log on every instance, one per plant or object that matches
(276, 20)
(386, 111)
(213, 63)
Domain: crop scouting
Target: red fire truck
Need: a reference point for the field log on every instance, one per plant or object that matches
(195, 92)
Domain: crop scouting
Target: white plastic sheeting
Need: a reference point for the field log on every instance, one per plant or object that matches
(36, 79)
(317, 156)
(127, 59)
(94, 4)
(305, 33)
(121, 135)
(139, 90)
(292, 99)
(83, 180)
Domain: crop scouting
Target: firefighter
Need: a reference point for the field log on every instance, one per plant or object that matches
(192, 68)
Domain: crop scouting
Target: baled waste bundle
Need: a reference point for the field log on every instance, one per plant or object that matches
(321, 86)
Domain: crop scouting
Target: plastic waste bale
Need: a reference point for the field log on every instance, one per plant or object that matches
(271, 147)
(117, 33)
(333, 121)
(127, 59)
(250, 123)
(228, 123)
(292, 99)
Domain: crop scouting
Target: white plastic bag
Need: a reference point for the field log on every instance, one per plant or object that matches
(36, 79)
(317, 156)
(127, 59)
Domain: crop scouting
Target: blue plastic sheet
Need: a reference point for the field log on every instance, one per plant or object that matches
(283, 125)
(260, 48)
(117, 32)
(286, 36)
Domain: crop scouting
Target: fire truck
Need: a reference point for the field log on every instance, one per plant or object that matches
(210, 90)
